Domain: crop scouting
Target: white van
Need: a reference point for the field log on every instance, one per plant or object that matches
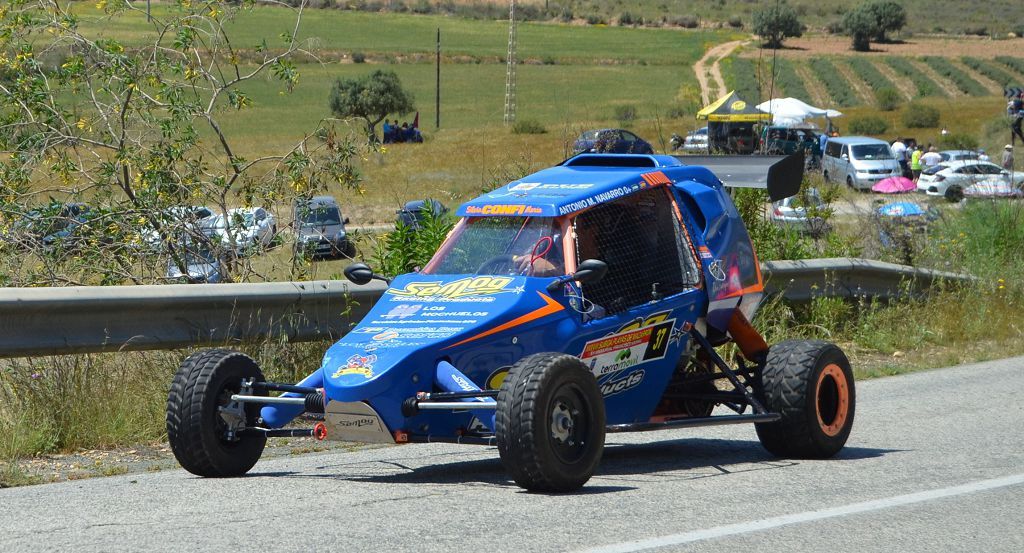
(859, 161)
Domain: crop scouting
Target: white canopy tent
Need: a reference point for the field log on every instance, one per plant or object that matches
(791, 111)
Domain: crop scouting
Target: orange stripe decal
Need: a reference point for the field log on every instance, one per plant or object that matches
(656, 178)
(550, 306)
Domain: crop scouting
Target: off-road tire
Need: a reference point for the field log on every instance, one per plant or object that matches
(195, 430)
(810, 383)
(539, 389)
(954, 194)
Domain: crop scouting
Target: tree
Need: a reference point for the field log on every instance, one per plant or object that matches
(136, 130)
(370, 97)
(861, 25)
(889, 16)
(774, 24)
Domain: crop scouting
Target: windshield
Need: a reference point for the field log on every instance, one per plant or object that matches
(321, 216)
(502, 245)
(872, 151)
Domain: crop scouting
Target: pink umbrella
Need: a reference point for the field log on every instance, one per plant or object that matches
(894, 185)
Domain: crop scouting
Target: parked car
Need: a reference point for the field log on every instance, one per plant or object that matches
(184, 223)
(859, 161)
(696, 141)
(201, 266)
(251, 228)
(777, 140)
(415, 211)
(952, 178)
(958, 155)
(611, 141)
(802, 213)
(320, 228)
(48, 225)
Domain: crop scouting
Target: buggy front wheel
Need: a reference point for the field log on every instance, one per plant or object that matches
(809, 383)
(550, 423)
(202, 421)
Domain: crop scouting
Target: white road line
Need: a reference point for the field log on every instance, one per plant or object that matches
(808, 516)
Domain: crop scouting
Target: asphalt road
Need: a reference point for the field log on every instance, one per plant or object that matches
(935, 463)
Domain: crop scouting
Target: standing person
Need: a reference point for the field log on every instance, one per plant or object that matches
(899, 151)
(387, 132)
(982, 156)
(932, 158)
(1007, 157)
(915, 163)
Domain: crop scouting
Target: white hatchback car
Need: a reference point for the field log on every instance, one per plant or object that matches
(252, 228)
(951, 178)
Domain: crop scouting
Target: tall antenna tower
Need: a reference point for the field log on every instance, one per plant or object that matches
(510, 72)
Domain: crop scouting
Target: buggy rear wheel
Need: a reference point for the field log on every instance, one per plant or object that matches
(201, 415)
(810, 384)
(550, 423)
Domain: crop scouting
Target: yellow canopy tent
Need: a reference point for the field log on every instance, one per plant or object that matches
(732, 109)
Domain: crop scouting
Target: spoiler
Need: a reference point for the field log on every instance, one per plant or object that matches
(780, 175)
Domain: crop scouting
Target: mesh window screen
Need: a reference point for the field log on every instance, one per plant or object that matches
(640, 239)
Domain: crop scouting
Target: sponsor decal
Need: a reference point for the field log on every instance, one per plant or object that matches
(356, 422)
(503, 209)
(636, 342)
(386, 335)
(402, 311)
(462, 288)
(496, 378)
(738, 105)
(621, 385)
(357, 364)
(705, 253)
(600, 197)
(716, 270)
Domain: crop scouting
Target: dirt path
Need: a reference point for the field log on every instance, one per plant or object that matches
(993, 87)
(707, 66)
(819, 97)
(948, 86)
(901, 83)
(859, 86)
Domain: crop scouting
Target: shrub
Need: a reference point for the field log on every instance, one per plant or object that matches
(625, 114)
(888, 98)
(626, 19)
(958, 141)
(989, 70)
(869, 124)
(920, 116)
(358, 57)
(735, 22)
(685, 21)
(528, 126)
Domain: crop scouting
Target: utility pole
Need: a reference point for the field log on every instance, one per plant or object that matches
(437, 93)
(510, 73)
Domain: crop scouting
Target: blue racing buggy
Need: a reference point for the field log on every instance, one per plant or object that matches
(587, 298)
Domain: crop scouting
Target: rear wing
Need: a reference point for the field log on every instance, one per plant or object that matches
(780, 175)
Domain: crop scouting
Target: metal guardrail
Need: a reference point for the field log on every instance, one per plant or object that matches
(55, 321)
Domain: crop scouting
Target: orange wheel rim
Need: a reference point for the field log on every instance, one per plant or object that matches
(833, 399)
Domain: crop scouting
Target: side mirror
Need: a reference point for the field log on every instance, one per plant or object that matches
(345, 221)
(591, 270)
(845, 157)
(359, 273)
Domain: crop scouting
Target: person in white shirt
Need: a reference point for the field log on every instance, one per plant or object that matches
(931, 158)
(899, 151)
(982, 156)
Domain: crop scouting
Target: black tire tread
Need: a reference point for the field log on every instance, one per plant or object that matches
(786, 391)
(185, 401)
(516, 416)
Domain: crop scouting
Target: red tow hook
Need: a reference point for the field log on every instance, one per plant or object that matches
(320, 431)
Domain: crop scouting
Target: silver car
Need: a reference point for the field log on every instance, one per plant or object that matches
(952, 178)
(801, 213)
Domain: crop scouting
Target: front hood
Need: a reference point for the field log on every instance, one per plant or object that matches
(423, 318)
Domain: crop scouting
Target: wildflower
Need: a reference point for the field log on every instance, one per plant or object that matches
(36, 376)
(101, 4)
